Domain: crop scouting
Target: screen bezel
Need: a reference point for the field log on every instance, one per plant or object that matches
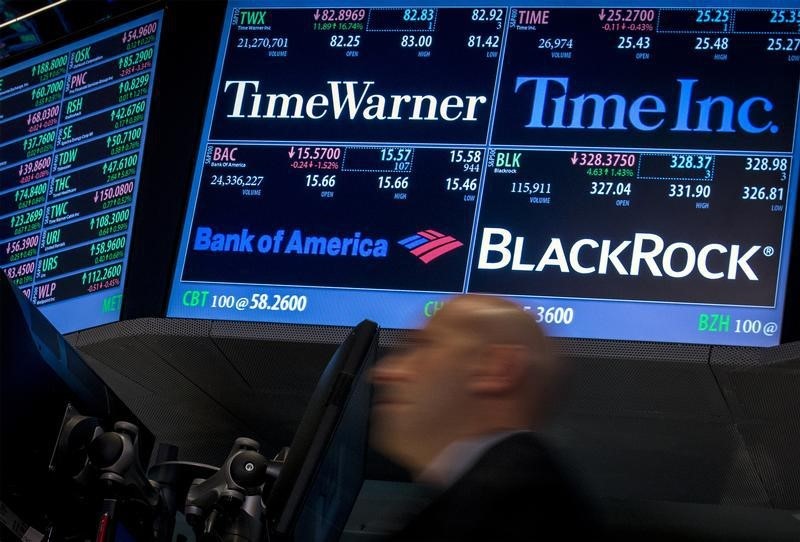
(155, 7)
(790, 329)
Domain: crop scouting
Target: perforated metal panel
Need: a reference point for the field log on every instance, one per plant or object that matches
(762, 390)
(200, 384)
(141, 326)
(595, 349)
(649, 421)
(775, 448)
(280, 332)
(767, 394)
(784, 353)
(653, 389)
(735, 357)
(685, 423)
(175, 409)
(648, 458)
(393, 338)
(282, 376)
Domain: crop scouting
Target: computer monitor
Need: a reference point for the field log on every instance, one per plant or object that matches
(324, 470)
(624, 172)
(73, 121)
(40, 374)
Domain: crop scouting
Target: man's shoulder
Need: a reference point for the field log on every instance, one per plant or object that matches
(522, 462)
(520, 447)
(515, 491)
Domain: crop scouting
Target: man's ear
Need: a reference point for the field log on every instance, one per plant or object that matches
(497, 370)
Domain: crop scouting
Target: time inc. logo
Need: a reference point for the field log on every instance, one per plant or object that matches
(553, 107)
(428, 245)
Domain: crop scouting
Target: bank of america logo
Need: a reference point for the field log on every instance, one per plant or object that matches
(428, 245)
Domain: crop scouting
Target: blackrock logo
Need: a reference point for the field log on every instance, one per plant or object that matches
(645, 253)
(427, 245)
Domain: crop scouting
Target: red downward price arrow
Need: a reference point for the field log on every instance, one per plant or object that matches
(574, 158)
(602, 14)
(316, 15)
(96, 196)
(291, 152)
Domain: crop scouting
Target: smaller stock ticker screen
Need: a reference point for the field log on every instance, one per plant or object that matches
(73, 124)
(622, 173)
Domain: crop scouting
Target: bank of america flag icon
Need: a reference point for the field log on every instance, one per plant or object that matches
(428, 245)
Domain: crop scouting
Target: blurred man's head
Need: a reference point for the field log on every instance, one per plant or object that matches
(480, 365)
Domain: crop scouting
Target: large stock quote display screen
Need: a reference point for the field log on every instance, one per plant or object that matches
(623, 173)
(73, 123)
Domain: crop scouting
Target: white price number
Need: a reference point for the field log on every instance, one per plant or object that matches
(554, 315)
(320, 181)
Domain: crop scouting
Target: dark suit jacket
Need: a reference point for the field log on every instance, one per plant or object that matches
(516, 491)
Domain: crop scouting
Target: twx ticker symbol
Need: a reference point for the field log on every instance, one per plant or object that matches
(428, 245)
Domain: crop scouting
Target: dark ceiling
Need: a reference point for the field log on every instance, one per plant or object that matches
(55, 23)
